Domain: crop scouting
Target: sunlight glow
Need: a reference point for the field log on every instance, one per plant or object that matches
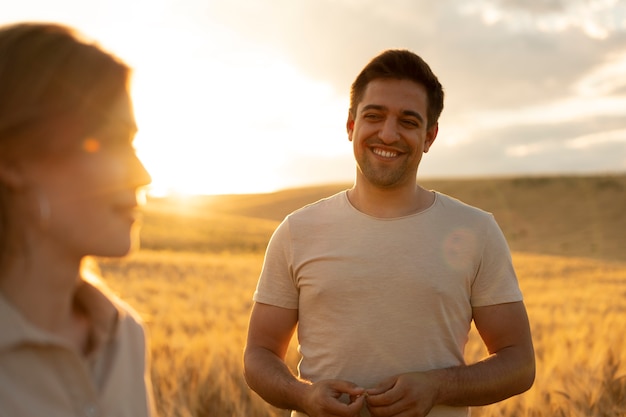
(213, 121)
(222, 130)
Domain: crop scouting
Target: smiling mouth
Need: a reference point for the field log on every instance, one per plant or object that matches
(384, 153)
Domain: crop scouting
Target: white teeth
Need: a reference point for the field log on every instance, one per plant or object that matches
(385, 154)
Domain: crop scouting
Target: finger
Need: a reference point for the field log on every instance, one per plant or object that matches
(338, 408)
(347, 387)
(377, 400)
(384, 398)
(389, 410)
(384, 386)
(355, 406)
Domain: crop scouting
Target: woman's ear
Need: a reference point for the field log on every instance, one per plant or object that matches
(11, 175)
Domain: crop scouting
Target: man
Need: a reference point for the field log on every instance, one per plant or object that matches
(383, 280)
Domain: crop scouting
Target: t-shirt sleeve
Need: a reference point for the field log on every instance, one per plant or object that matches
(276, 284)
(495, 281)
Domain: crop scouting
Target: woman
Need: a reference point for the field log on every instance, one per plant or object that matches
(69, 178)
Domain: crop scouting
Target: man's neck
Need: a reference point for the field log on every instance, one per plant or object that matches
(390, 202)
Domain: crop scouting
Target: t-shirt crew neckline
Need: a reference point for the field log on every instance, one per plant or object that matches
(417, 213)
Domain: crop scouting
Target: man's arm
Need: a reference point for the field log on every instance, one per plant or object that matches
(270, 331)
(508, 370)
(510, 367)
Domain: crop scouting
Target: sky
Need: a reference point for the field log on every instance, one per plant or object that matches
(243, 96)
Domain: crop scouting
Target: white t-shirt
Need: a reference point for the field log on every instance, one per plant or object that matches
(379, 297)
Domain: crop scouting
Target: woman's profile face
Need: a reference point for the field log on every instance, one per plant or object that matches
(87, 195)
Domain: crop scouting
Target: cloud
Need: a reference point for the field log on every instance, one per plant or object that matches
(332, 40)
(531, 86)
(585, 146)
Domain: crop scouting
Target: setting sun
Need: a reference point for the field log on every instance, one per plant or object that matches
(217, 113)
(228, 125)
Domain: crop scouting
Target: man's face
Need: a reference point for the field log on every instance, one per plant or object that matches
(389, 132)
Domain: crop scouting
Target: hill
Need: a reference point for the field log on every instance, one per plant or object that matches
(568, 215)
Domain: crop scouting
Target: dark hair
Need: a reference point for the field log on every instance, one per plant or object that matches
(400, 64)
(55, 89)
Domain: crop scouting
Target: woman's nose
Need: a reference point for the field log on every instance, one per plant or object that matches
(138, 173)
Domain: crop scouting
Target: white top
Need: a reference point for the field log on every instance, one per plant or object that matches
(41, 375)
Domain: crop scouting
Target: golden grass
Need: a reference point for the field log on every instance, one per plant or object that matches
(196, 307)
(194, 277)
(577, 309)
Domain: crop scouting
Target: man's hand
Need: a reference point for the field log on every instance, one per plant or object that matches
(323, 399)
(406, 395)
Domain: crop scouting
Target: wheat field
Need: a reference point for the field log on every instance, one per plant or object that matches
(194, 277)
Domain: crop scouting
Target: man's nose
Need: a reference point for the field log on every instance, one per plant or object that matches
(389, 131)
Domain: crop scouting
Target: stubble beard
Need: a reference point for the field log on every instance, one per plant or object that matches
(383, 177)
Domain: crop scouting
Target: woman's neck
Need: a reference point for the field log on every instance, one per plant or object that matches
(43, 292)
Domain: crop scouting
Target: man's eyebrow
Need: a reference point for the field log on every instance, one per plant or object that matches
(414, 114)
(384, 108)
(374, 107)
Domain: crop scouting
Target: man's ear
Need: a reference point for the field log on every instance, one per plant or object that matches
(350, 126)
(431, 135)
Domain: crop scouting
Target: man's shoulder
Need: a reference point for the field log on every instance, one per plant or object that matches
(448, 202)
(326, 204)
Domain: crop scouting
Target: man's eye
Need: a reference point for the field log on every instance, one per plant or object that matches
(371, 116)
(410, 123)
